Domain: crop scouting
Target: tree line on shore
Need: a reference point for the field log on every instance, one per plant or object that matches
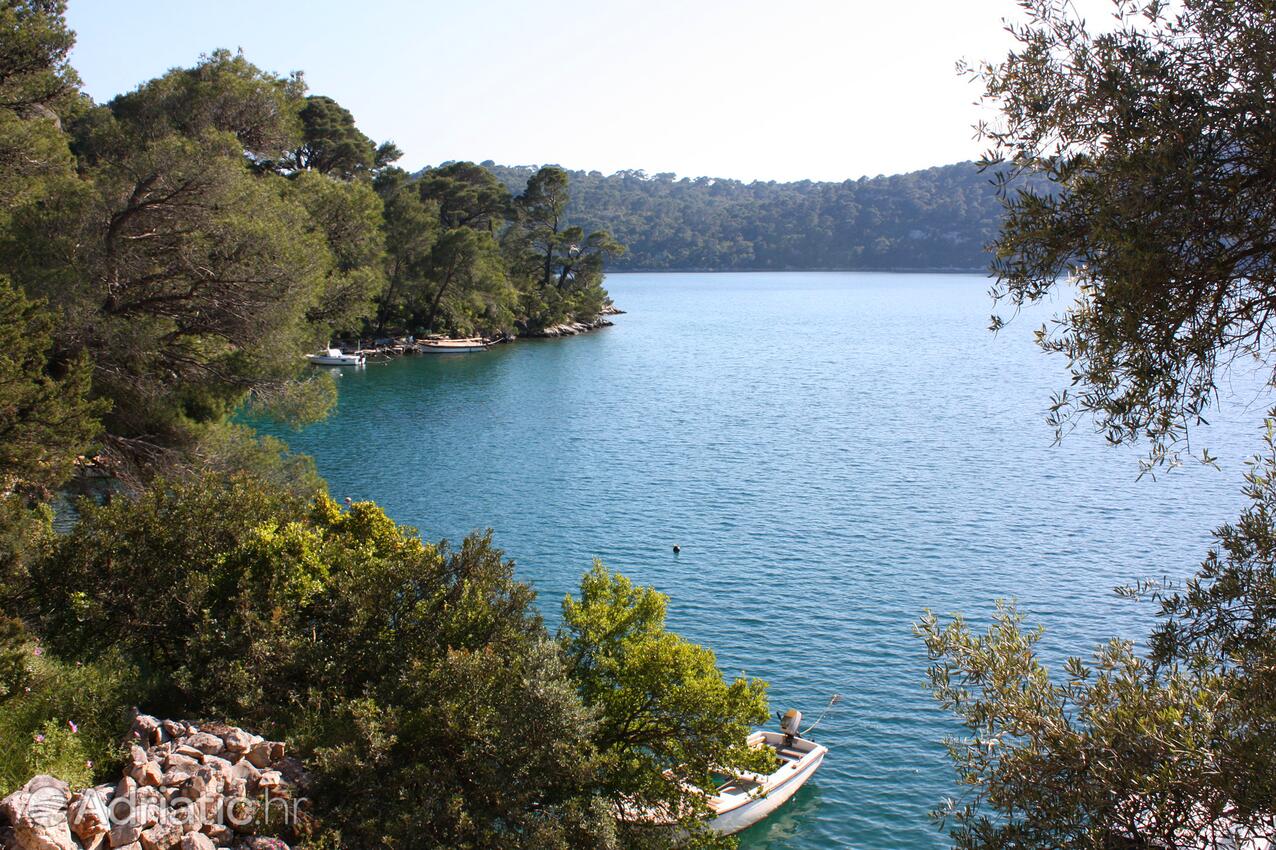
(165, 259)
(940, 218)
(193, 238)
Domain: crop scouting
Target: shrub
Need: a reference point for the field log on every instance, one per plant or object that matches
(416, 679)
(67, 720)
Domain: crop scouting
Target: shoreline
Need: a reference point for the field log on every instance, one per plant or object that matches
(574, 328)
(401, 347)
(886, 270)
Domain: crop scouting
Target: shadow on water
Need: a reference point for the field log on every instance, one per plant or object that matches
(783, 827)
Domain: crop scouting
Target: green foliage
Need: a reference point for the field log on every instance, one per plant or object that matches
(378, 654)
(1118, 754)
(465, 258)
(26, 532)
(208, 273)
(187, 271)
(939, 218)
(224, 93)
(1130, 749)
(542, 209)
(58, 751)
(233, 447)
(35, 162)
(667, 719)
(34, 44)
(1156, 137)
(14, 670)
(470, 287)
(348, 215)
(1224, 621)
(411, 230)
(45, 421)
(113, 581)
(567, 266)
(331, 143)
(467, 195)
(67, 719)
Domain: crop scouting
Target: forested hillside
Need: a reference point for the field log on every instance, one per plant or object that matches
(940, 218)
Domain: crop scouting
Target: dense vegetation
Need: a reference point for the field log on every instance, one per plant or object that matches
(194, 237)
(1158, 140)
(165, 259)
(940, 218)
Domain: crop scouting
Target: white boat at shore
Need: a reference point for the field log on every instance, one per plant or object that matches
(747, 798)
(452, 346)
(335, 357)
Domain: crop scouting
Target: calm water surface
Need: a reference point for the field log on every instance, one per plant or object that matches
(834, 453)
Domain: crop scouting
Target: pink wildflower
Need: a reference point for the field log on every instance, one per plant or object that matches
(38, 651)
(39, 739)
(74, 728)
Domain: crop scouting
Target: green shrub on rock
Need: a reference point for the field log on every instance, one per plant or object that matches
(417, 680)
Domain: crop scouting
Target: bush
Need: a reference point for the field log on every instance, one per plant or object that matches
(67, 720)
(416, 679)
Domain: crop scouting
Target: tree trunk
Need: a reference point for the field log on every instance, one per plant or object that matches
(387, 299)
(438, 298)
(549, 265)
(549, 254)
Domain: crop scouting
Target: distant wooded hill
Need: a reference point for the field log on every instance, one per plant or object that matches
(940, 218)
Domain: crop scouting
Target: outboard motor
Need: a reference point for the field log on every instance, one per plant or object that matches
(790, 725)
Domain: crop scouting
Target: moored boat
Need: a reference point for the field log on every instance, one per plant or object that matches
(335, 357)
(452, 346)
(746, 798)
(741, 799)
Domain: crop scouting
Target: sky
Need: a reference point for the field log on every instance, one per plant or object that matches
(746, 89)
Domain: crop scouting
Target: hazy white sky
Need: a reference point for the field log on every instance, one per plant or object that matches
(751, 89)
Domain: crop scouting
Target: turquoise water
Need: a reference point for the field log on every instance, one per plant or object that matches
(834, 453)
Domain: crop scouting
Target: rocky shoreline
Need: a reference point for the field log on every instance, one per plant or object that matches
(388, 349)
(574, 328)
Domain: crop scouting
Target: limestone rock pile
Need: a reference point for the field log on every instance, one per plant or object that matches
(184, 786)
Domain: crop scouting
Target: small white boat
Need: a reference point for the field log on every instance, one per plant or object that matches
(746, 798)
(452, 346)
(741, 799)
(334, 357)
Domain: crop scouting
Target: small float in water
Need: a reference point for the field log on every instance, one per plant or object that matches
(452, 346)
(746, 798)
(335, 357)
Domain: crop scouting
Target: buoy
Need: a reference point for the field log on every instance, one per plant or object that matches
(676, 548)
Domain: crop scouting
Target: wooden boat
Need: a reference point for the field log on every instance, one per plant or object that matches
(334, 357)
(452, 346)
(746, 798)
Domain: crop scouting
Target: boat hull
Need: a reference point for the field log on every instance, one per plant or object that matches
(433, 349)
(325, 360)
(745, 816)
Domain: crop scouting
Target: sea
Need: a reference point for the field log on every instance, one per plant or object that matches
(834, 454)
